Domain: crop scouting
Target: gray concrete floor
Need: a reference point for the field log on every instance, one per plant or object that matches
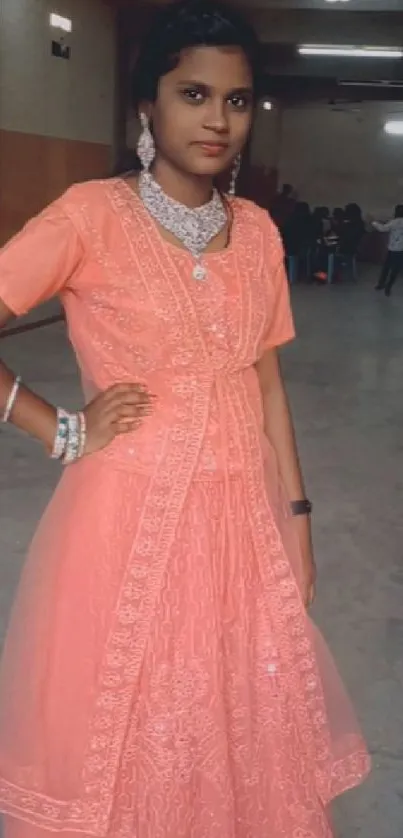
(345, 378)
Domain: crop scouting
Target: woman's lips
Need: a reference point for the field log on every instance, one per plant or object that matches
(213, 149)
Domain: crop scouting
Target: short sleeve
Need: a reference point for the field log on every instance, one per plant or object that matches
(280, 322)
(38, 262)
(383, 228)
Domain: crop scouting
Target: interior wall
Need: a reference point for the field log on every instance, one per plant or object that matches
(56, 115)
(266, 137)
(334, 155)
(337, 154)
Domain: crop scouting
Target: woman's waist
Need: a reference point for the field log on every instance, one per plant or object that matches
(214, 434)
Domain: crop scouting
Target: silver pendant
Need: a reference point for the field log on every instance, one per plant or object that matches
(199, 272)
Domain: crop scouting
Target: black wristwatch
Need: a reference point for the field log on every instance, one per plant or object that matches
(301, 507)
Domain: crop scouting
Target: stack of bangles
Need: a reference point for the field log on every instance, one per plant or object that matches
(71, 430)
(71, 436)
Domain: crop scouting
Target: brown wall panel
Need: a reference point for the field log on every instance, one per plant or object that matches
(34, 170)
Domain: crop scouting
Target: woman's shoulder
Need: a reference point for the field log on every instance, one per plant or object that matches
(95, 205)
(253, 217)
(88, 193)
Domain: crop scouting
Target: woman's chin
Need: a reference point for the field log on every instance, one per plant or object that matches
(205, 167)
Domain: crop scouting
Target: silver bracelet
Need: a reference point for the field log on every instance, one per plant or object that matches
(83, 433)
(11, 399)
(76, 438)
(59, 445)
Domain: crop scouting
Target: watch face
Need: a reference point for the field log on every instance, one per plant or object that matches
(301, 507)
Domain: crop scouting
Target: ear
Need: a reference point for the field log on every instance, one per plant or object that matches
(147, 109)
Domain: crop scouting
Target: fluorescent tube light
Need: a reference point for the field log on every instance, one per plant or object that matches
(59, 22)
(394, 127)
(351, 52)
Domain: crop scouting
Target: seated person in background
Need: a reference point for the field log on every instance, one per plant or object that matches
(320, 225)
(337, 220)
(394, 260)
(352, 231)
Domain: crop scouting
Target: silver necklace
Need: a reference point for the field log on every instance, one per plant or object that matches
(195, 228)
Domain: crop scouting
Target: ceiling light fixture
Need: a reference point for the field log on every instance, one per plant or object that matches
(267, 106)
(337, 1)
(350, 52)
(394, 127)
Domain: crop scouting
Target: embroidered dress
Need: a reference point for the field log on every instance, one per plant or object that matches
(161, 678)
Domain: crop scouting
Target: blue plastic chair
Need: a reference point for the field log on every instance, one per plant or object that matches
(293, 266)
(348, 261)
(292, 269)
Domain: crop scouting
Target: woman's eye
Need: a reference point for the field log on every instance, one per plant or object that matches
(239, 102)
(193, 95)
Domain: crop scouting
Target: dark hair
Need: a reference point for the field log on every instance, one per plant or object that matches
(338, 213)
(353, 212)
(399, 211)
(184, 24)
(302, 209)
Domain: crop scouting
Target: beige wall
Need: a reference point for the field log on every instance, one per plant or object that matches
(40, 94)
(266, 137)
(56, 116)
(334, 155)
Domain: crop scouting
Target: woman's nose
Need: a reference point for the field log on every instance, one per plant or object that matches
(217, 117)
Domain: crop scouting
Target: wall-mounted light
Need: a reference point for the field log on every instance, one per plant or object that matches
(394, 127)
(267, 105)
(59, 22)
(350, 52)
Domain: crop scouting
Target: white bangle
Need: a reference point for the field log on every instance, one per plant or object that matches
(83, 433)
(59, 445)
(11, 399)
(76, 438)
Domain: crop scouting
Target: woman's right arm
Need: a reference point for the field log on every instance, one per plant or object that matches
(30, 412)
(34, 267)
(120, 409)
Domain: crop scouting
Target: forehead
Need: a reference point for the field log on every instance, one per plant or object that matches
(217, 67)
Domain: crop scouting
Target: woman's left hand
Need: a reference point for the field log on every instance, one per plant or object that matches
(308, 567)
(308, 580)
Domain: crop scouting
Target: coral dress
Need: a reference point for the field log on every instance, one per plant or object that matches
(161, 678)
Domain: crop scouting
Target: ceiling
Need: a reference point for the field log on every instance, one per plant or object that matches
(352, 5)
(283, 24)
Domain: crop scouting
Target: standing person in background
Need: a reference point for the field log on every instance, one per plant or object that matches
(394, 260)
(337, 220)
(352, 230)
(283, 207)
(297, 231)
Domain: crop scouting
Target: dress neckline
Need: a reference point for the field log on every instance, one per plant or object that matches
(209, 255)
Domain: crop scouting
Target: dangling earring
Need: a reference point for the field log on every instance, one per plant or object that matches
(145, 145)
(236, 168)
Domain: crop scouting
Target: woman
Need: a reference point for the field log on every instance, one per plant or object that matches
(394, 260)
(297, 231)
(337, 221)
(161, 677)
(353, 230)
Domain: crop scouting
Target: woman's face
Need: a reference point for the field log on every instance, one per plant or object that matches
(203, 113)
